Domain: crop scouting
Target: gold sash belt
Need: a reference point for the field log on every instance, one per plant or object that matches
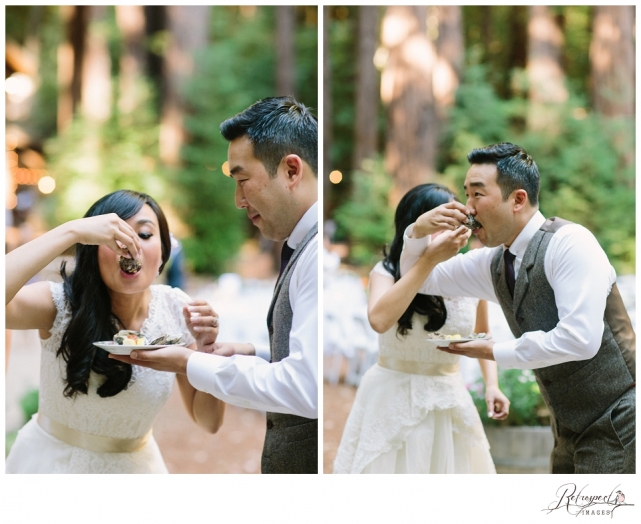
(418, 368)
(80, 439)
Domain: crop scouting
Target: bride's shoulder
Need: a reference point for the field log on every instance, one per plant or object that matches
(170, 295)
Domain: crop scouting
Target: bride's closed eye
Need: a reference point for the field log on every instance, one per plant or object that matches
(145, 236)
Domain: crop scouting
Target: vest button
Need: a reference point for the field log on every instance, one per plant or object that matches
(520, 319)
(271, 330)
(547, 382)
(270, 424)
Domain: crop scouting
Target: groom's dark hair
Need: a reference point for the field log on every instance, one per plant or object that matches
(515, 168)
(276, 127)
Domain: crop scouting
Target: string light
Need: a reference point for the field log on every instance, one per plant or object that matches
(335, 177)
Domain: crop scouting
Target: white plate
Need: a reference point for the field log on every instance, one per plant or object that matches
(117, 349)
(436, 343)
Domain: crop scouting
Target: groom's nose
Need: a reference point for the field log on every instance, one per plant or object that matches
(239, 197)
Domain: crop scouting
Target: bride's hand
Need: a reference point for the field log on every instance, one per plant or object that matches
(202, 322)
(498, 405)
(109, 230)
(444, 217)
(447, 244)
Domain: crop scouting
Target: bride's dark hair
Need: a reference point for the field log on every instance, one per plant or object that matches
(90, 303)
(414, 203)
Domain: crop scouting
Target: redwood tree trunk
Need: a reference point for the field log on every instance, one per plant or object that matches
(188, 27)
(546, 78)
(327, 114)
(612, 61)
(406, 89)
(285, 72)
(96, 69)
(451, 52)
(70, 62)
(131, 23)
(367, 87)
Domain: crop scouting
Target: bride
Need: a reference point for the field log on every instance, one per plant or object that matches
(95, 414)
(412, 412)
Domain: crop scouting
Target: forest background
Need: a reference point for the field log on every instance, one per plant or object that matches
(410, 91)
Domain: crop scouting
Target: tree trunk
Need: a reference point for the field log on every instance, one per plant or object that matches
(285, 71)
(406, 89)
(96, 70)
(188, 27)
(327, 114)
(612, 60)
(131, 23)
(449, 64)
(70, 62)
(367, 87)
(546, 79)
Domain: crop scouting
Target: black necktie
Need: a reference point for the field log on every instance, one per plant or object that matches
(509, 270)
(285, 255)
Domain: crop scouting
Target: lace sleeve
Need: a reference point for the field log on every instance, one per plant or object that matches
(380, 269)
(179, 299)
(63, 313)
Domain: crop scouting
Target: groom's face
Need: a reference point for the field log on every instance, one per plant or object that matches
(485, 201)
(267, 199)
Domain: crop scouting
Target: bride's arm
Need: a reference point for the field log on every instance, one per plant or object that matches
(204, 409)
(388, 300)
(498, 404)
(31, 307)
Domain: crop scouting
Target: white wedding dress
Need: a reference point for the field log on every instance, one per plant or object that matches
(416, 423)
(127, 415)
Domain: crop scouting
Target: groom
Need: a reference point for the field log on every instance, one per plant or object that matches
(273, 151)
(559, 295)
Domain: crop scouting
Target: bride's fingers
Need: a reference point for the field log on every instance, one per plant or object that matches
(202, 323)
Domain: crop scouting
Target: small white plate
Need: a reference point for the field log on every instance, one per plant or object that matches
(116, 349)
(443, 343)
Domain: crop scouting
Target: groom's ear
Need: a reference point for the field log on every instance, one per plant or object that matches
(293, 165)
(520, 199)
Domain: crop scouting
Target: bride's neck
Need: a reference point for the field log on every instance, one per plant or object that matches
(132, 310)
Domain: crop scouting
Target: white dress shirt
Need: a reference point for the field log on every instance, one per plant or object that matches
(291, 385)
(577, 269)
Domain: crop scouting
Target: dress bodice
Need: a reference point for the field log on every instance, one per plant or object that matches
(461, 318)
(130, 413)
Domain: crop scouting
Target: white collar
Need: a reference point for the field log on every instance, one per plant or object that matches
(301, 229)
(522, 240)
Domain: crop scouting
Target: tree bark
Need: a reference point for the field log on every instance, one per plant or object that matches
(131, 23)
(546, 79)
(612, 61)
(406, 89)
(285, 70)
(96, 70)
(327, 113)
(367, 87)
(70, 62)
(188, 27)
(451, 52)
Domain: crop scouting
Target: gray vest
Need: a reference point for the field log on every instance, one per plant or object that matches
(291, 442)
(579, 392)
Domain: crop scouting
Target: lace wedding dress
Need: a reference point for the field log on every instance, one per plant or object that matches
(127, 415)
(416, 423)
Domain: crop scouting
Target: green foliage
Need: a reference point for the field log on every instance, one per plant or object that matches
(367, 219)
(29, 404)
(234, 71)
(90, 159)
(527, 407)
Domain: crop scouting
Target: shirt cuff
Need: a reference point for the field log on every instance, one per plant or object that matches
(505, 354)
(200, 367)
(262, 352)
(415, 246)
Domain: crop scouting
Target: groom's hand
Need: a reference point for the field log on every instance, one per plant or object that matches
(171, 358)
(473, 349)
(203, 324)
(228, 349)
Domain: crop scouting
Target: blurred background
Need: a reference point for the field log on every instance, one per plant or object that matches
(408, 93)
(100, 98)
